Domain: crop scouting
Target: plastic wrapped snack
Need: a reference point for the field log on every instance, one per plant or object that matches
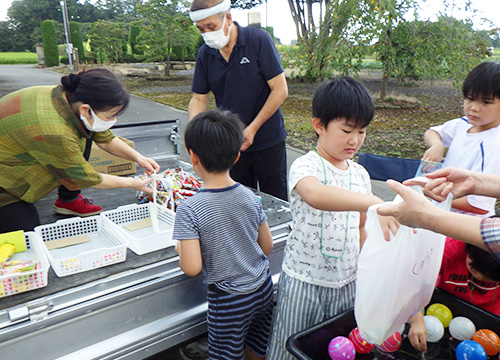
(6, 251)
(10, 267)
(173, 186)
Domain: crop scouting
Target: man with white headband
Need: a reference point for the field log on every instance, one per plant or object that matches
(242, 68)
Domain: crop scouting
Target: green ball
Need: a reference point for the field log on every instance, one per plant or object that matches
(442, 312)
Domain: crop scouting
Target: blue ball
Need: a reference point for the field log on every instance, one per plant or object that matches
(470, 350)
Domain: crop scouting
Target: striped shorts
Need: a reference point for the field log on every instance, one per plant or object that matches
(239, 321)
(302, 305)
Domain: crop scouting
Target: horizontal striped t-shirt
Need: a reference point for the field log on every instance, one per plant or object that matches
(226, 222)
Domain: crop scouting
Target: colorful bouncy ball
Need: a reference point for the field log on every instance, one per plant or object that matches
(462, 328)
(441, 312)
(392, 343)
(341, 348)
(470, 350)
(360, 345)
(435, 329)
(489, 340)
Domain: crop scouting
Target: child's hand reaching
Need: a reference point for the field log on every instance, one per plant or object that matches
(389, 225)
(418, 333)
(434, 153)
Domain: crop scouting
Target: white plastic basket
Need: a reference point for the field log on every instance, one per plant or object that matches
(103, 249)
(144, 240)
(18, 282)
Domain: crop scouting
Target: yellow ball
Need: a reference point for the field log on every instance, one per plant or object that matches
(442, 312)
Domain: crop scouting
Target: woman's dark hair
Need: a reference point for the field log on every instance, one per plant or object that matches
(98, 88)
(343, 98)
(215, 136)
(483, 81)
(483, 261)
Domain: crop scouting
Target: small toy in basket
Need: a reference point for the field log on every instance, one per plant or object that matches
(81, 244)
(173, 186)
(24, 265)
(133, 223)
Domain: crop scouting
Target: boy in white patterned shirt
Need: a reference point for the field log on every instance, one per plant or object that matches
(329, 196)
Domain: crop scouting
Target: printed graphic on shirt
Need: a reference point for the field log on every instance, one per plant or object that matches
(244, 60)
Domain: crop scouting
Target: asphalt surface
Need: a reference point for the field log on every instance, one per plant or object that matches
(14, 77)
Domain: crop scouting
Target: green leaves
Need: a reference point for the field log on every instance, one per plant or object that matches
(107, 38)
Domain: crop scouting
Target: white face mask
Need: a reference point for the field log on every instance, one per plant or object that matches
(216, 39)
(98, 125)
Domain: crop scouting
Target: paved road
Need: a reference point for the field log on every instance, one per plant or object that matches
(14, 77)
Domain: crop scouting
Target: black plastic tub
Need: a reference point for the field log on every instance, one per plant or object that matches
(312, 343)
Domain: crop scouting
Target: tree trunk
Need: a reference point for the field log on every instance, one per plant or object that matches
(385, 80)
(300, 18)
(167, 65)
(387, 64)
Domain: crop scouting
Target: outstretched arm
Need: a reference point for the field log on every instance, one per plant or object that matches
(113, 181)
(417, 211)
(435, 151)
(461, 182)
(331, 198)
(119, 148)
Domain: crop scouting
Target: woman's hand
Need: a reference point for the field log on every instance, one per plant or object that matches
(141, 184)
(410, 211)
(148, 164)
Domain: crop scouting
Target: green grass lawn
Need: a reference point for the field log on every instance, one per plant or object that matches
(17, 58)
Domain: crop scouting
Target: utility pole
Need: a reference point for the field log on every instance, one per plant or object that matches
(267, 25)
(69, 47)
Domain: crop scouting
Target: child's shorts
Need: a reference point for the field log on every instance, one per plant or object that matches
(239, 321)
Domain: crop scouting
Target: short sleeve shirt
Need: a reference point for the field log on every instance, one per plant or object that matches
(240, 84)
(226, 222)
(41, 145)
(454, 277)
(490, 232)
(478, 152)
(336, 232)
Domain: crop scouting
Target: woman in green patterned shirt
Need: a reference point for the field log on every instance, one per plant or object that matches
(44, 131)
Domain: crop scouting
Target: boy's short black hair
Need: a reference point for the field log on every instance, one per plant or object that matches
(483, 81)
(483, 261)
(215, 136)
(343, 98)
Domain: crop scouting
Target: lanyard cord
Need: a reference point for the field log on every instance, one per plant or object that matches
(347, 217)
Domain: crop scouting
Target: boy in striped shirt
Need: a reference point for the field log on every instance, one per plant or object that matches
(223, 232)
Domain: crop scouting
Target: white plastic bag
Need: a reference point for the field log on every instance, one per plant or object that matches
(396, 278)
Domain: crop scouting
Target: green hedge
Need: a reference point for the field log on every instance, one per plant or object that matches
(76, 39)
(49, 41)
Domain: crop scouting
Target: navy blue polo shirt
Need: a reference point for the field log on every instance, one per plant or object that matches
(240, 85)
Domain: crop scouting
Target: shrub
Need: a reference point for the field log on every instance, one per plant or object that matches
(132, 37)
(49, 43)
(129, 58)
(76, 39)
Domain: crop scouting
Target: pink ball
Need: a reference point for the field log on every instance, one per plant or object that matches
(341, 348)
(392, 343)
(360, 345)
